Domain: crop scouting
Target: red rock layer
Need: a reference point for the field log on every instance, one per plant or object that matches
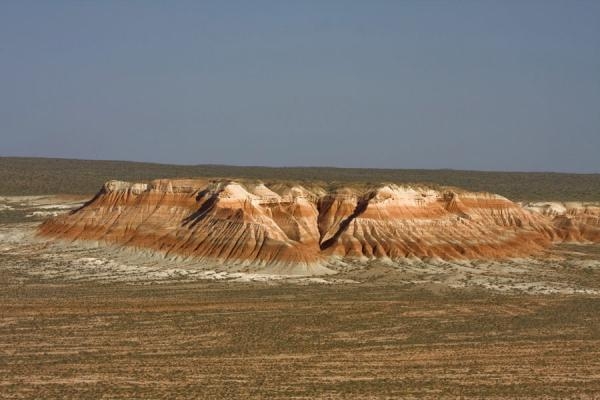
(227, 222)
(572, 221)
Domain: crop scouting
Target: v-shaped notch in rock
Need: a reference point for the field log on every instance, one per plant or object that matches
(361, 207)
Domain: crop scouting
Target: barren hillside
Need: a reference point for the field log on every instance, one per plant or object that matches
(292, 229)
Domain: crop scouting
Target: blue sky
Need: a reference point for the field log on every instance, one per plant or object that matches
(492, 85)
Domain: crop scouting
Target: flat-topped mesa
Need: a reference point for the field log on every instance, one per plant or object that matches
(281, 227)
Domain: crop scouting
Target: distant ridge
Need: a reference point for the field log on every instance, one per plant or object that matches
(36, 176)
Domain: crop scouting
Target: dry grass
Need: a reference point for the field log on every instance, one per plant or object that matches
(258, 341)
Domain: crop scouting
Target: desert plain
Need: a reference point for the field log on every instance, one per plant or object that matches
(84, 319)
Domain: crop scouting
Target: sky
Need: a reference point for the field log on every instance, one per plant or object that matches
(509, 85)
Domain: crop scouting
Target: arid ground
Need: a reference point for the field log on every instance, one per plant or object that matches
(83, 321)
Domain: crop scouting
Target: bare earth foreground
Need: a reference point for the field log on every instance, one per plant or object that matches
(91, 322)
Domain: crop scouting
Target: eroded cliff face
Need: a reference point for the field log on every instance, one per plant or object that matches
(241, 224)
(572, 221)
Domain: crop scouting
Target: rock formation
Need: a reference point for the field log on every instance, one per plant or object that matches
(283, 227)
(572, 221)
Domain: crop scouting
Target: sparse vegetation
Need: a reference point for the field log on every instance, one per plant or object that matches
(31, 176)
(256, 341)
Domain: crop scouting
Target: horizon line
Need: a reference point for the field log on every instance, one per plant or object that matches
(297, 166)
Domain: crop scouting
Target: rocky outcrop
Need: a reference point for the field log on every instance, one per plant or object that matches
(572, 221)
(281, 227)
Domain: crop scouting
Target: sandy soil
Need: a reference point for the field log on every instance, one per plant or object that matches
(74, 340)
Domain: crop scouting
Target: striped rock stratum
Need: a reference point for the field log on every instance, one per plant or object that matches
(291, 229)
